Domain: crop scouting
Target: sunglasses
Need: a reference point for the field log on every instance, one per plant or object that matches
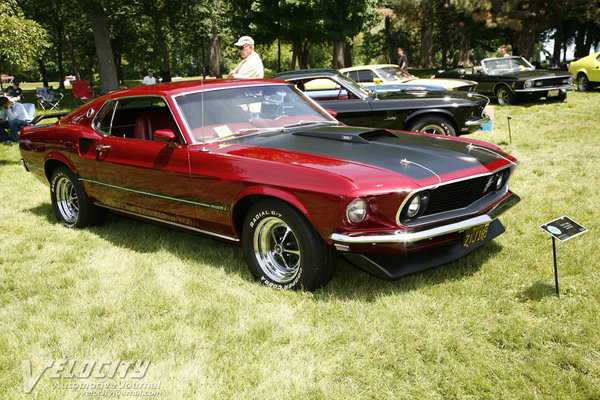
(242, 47)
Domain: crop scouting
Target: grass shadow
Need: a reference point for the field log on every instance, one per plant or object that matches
(536, 292)
(148, 238)
(349, 282)
(9, 162)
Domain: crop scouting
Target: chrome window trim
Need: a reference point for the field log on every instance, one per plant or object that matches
(116, 100)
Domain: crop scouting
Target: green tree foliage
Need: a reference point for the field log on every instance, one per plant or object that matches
(21, 39)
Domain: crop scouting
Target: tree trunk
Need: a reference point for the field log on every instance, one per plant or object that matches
(215, 51)
(106, 64)
(464, 48)
(61, 70)
(295, 47)
(426, 56)
(215, 42)
(339, 60)
(162, 45)
(303, 55)
(528, 39)
(65, 35)
(392, 40)
(348, 54)
(44, 72)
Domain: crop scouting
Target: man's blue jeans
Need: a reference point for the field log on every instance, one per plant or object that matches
(14, 126)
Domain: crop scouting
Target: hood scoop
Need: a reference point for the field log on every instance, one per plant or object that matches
(346, 134)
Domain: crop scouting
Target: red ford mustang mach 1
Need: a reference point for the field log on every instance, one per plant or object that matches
(257, 162)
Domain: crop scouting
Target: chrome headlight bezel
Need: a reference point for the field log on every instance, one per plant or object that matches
(528, 83)
(356, 211)
(415, 206)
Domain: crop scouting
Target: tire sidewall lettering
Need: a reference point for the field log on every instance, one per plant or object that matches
(264, 213)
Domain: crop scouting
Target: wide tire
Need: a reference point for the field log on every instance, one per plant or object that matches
(283, 250)
(71, 204)
(505, 96)
(433, 124)
(583, 83)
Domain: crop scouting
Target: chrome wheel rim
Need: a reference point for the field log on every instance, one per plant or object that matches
(502, 97)
(582, 83)
(67, 201)
(277, 250)
(433, 128)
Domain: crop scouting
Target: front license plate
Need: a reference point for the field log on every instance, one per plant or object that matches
(475, 235)
(553, 93)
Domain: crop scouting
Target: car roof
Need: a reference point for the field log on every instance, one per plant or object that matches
(171, 88)
(371, 66)
(307, 73)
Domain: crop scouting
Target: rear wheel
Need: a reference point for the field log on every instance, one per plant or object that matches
(583, 83)
(71, 204)
(283, 250)
(433, 124)
(505, 96)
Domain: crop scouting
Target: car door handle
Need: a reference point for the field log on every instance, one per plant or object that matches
(100, 148)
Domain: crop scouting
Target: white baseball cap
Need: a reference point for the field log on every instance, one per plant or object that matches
(244, 40)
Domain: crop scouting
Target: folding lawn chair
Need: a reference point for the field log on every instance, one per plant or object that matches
(30, 109)
(47, 98)
(81, 92)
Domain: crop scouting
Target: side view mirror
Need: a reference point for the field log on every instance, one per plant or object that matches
(377, 81)
(165, 136)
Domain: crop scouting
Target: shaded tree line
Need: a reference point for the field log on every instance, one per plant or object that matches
(117, 40)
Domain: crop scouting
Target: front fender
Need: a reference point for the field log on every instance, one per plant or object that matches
(437, 111)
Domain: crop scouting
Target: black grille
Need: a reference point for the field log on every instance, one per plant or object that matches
(551, 82)
(456, 195)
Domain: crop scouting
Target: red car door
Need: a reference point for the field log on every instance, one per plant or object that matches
(137, 174)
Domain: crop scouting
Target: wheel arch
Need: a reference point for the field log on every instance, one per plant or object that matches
(256, 194)
(54, 160)
(498, 85)
(434, 112)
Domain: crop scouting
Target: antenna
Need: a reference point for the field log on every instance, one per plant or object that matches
(202, 109)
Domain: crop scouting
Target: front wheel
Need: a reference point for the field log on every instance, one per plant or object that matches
(505, 96)
(71, 204)
(433, 124)
(283, 250)
(583, 83)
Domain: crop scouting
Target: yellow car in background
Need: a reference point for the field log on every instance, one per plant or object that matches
(389, 77)
(586, 71)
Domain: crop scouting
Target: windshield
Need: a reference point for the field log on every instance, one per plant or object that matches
(393, 73)
(235, 111)
(357, 88)
(506, 64)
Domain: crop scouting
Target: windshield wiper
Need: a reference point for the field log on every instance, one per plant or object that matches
(304, 123)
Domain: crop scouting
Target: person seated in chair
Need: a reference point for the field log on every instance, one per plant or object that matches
(12, 117)
(149, 79)
(14, 93)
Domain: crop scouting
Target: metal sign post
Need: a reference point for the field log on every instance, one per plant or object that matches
(563, 229)
(509, 135)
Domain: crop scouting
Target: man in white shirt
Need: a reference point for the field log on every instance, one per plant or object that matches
(251, 66)
(12, 116)
(149, 79)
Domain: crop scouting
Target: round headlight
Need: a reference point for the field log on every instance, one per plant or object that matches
(571, 80)
(528, 83)
(414, 206)
(356, 210)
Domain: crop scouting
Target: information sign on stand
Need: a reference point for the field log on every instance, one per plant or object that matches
(563, 229)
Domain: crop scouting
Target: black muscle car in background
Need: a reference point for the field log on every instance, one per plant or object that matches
(510, 79)
(446, 113)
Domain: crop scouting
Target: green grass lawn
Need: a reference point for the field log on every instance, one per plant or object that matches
(487, 326)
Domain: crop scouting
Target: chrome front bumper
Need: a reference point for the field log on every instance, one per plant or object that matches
(478, 122)
(563, 89)
(409, 236)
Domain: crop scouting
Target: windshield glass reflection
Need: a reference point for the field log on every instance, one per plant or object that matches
(230, 112)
